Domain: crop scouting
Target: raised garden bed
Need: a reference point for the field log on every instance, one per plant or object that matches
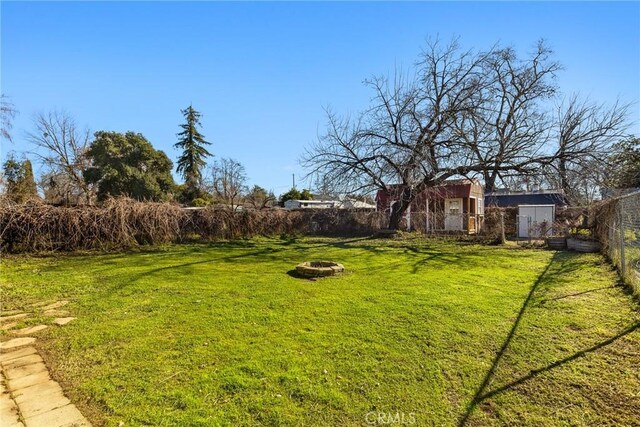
(580, 245)
(557, 243)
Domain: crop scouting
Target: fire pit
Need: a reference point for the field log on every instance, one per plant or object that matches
(319, 268)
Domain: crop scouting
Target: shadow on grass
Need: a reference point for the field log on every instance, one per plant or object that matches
(288, 250)
(290, 245)
(542, 301)
(479, 395)
(274, 248)
(266, 253)
(294, 273)
(423, 256)
(565, 261)
(441, 257)
(561, 362)
(346, 244)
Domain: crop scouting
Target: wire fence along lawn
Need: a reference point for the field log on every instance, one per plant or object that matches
(619, 231)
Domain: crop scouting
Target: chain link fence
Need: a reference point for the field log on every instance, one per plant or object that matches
(618, 224)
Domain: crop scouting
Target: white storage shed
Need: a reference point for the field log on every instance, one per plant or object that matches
(531, 217)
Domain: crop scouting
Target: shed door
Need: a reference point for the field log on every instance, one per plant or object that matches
(453, 214)
(531, 217)
(471, 223)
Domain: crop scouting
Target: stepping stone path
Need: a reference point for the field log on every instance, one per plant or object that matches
(61, 321)
(30, 330)
(56, 313)
(7, 326)
(55, 305)
(28, 395)
(10, 312)
(13, 317)
(16, 342)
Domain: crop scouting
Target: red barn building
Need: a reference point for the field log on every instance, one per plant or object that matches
(453, 206)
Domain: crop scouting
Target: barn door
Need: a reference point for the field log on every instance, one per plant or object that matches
(453, 214)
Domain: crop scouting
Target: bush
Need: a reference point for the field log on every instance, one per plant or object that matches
(199, 202)
(125, 223)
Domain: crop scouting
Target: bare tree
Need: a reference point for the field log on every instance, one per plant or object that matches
(510, 125)
(61, 147)
(405, 137)
(324, 189)
(59, 190)
(7, 114)
(586, 132)
(582, 133)
(525, 182)
(444, 122)
(228, 181)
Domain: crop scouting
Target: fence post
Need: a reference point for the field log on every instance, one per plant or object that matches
(623, 263)
(427, 218)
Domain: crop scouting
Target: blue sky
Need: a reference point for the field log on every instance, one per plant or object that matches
(261, 73)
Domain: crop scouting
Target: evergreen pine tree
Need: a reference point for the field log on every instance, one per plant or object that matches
(190, 163)
(29, 187)
(20, 184)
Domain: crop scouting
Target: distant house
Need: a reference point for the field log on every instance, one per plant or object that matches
(357, 204)
(328, 204)
(312, 204)
(454, 206)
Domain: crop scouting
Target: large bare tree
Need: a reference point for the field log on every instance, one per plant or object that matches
(462, 113)
(585, 133)
(582, 134)
(61, 147)
(228, 181)
(510, 126)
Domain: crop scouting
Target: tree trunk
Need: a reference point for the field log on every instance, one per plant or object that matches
(562, 171)
(490, 182)
(399, 208)
(502, 238)
(396, 216)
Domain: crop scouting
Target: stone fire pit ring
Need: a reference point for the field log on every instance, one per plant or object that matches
(319, 268)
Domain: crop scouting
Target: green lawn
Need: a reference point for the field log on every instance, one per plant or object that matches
(444, 333)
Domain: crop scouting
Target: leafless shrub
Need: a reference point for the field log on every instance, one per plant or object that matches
(119, 223)
(491, 226)
(124, 223)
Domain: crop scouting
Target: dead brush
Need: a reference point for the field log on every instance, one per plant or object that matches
(124, 223)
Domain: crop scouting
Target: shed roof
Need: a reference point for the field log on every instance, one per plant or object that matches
(534, 198)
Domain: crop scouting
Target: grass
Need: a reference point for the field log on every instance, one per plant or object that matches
(444, 333)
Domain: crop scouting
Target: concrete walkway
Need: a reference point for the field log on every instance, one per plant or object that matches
(28, 395)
